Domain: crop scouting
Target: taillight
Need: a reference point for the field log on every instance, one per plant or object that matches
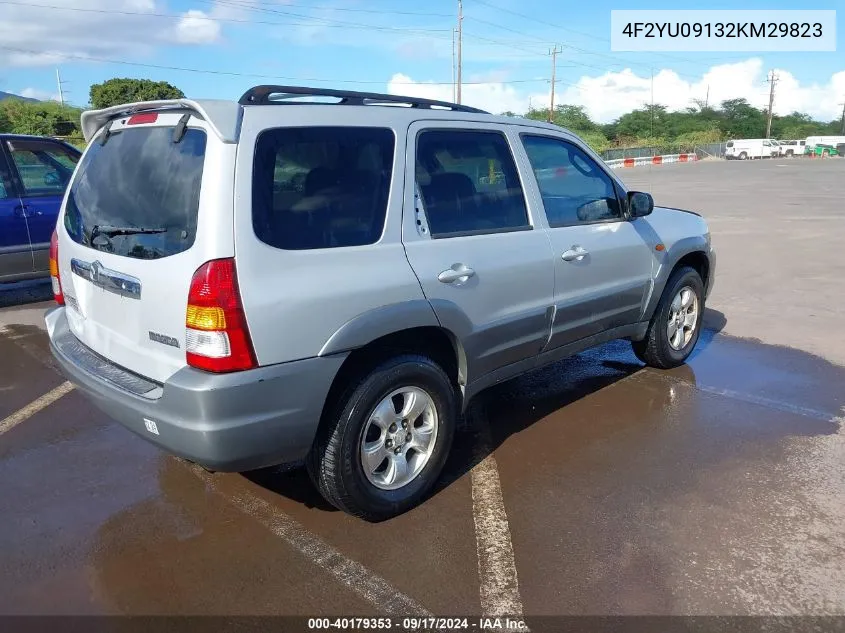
(55, 278)
(216, 335)
(146, 117)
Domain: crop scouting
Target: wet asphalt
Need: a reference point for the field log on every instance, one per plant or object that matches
(716, 488)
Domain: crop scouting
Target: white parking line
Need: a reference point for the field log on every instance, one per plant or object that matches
(497, 576)
(373, 588)
(34, 407)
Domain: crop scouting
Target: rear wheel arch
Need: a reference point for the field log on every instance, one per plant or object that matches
(434, 342)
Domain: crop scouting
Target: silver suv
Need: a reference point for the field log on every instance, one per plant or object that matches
(329, 276)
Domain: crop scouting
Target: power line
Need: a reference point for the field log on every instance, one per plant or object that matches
(237, 4)
(177, 16)
(355, 10)
(262, 76)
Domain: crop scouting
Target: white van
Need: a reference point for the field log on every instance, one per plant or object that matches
(793, 147)
(749, 148)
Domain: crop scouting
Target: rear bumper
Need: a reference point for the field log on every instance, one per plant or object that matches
(226, 422)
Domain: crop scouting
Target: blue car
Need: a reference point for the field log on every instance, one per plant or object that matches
(34, 172)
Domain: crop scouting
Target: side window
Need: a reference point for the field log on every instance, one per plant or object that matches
(321, 187)
(469, 183)
(44, 168)
(574, 188)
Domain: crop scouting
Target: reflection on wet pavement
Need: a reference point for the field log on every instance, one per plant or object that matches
(716, 488)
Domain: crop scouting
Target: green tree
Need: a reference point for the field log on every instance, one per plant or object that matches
(123, 90)
(572, 117)
(41, 118)
(742, 120)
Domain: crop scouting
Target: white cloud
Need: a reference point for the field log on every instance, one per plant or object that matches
(41, 95)
(606, 96)
(196, 27)
(35, 36)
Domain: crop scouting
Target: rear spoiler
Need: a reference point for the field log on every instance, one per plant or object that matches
(223, 117)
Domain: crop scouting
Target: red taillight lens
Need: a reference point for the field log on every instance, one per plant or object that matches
(216, 335)
(55, 278)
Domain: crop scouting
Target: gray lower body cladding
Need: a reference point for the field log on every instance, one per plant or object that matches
(226, 422)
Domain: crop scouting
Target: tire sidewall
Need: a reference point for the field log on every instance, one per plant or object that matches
(402, 372)
(681, 278)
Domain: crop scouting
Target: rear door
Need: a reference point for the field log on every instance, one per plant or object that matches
(43, 169)
(142, 214)
(482, 260)
(15, 250)
(603, 262)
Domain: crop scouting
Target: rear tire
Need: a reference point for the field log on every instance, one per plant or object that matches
(355, 425)
(660, 350)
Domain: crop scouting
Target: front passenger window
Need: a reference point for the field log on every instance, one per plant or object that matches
(575, 190)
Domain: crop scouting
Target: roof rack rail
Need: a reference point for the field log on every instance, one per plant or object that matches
(260, 95)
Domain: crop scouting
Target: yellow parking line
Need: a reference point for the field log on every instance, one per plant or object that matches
(34, 407)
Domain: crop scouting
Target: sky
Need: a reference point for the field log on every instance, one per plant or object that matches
(220, 48)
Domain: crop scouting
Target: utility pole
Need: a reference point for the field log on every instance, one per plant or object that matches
(454, 97)
(553, 53)
(772, 81)
(652, 103)
(842, 123)
(59, 84)
(460, 38)
(707, 98)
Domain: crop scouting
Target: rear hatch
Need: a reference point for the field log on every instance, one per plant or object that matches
(145, 210)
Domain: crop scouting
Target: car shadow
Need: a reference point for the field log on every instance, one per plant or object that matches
(548, 389)
(21, 293)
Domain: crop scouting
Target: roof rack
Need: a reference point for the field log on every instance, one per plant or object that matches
(260, 95)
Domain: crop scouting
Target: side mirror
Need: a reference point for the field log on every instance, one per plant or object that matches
(640, 203)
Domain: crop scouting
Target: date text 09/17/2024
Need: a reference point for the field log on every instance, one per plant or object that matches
(427, 623)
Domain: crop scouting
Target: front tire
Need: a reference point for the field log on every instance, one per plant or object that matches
(676, 324)
(383, 445)
(743, 156)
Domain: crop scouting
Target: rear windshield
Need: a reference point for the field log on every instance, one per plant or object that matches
(321, 187)
(138, 195)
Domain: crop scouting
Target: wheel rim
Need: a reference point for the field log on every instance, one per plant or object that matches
(683, 318)
(399, 438)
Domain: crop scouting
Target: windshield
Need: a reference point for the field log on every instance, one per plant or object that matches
(143, 183)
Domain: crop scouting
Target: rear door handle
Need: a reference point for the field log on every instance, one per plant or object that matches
(574, 253)
(458, 272)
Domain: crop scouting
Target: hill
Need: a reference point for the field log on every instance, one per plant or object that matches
(9, 95)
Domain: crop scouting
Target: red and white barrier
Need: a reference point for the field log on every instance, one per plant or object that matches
(651, 160)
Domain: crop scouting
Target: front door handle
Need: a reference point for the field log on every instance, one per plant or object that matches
(576, 253)
(458, 272)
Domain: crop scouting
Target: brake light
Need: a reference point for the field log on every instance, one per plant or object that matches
(148, 117)
(55, 278)
(216, 334)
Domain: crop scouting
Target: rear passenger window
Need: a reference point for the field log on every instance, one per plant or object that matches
(321, 187)
(469, 183)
